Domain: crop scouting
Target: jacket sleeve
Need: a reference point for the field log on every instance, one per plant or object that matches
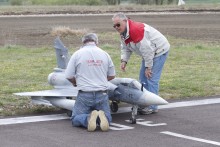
(111, 67)
(125, 52)
(147, 51)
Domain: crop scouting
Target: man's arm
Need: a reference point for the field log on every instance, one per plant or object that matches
(148, 54)
(125, 52)
(73, 81)
(111, 69)
(70, 70)
(125, 55)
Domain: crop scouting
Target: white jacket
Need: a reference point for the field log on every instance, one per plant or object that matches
(152, 45)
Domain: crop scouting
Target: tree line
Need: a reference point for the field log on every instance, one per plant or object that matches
(87, 2)
(145, 2)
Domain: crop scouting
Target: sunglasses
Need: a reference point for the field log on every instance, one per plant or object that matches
(117, 25)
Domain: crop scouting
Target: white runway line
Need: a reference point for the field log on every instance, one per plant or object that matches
(19, 120)
(191, 138)
(178, 104)
(191, 103)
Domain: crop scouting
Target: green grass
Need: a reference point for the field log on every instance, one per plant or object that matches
(192, 70)
(67, 2)
(22, 69)
(57, 2)
(202, 1)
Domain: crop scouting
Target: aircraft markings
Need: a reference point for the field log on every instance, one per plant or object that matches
(147, 123)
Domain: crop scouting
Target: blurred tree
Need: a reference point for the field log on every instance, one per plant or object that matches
(159, 2)
(170, 1)
(156, 2)
(4, 2)
(113, 2)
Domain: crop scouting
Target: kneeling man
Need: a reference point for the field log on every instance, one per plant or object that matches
(89, 69)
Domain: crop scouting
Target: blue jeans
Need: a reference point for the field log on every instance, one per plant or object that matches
(152, 84)
(85, 103)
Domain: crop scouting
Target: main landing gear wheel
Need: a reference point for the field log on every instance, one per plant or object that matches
(114, 106)
(69, 113)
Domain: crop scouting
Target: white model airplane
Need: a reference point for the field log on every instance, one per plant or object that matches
(63, 95)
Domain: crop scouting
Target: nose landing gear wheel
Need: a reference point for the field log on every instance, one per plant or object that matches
(133, 114)
(132, 120)
(114, 106)
(69, 113)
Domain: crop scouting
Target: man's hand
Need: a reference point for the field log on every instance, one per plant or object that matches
(123, 65)
(110, 77)
(73, 81)
(148, 73)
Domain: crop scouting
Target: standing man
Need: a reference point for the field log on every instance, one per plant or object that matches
(89, 69)
(150, 44)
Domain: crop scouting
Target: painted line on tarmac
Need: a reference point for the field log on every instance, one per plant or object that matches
(191, 103)
(28, 119)
(19, 120)
(191, 138)
(178, 104)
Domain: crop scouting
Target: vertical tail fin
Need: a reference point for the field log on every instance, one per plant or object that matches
(61, 53)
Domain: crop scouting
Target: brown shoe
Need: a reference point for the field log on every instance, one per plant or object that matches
(104, 125)
(92, 120)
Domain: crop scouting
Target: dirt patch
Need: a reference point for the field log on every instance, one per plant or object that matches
(35, 31)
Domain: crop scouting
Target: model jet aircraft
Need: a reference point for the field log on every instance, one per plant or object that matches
(120, 89)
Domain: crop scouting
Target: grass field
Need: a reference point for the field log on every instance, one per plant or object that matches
(191, 71)
(202, 2)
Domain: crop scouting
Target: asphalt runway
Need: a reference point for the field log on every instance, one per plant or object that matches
(192, 123)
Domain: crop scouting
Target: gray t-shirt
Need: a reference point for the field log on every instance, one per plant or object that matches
(90, 65)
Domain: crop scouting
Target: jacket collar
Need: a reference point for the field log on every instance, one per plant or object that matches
(125, 35)
(135, 32)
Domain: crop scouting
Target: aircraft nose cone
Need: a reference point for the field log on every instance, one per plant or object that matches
(149, 98)
(162, 101)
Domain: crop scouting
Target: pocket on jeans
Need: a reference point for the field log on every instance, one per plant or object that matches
(85, 100)
(103, 95)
